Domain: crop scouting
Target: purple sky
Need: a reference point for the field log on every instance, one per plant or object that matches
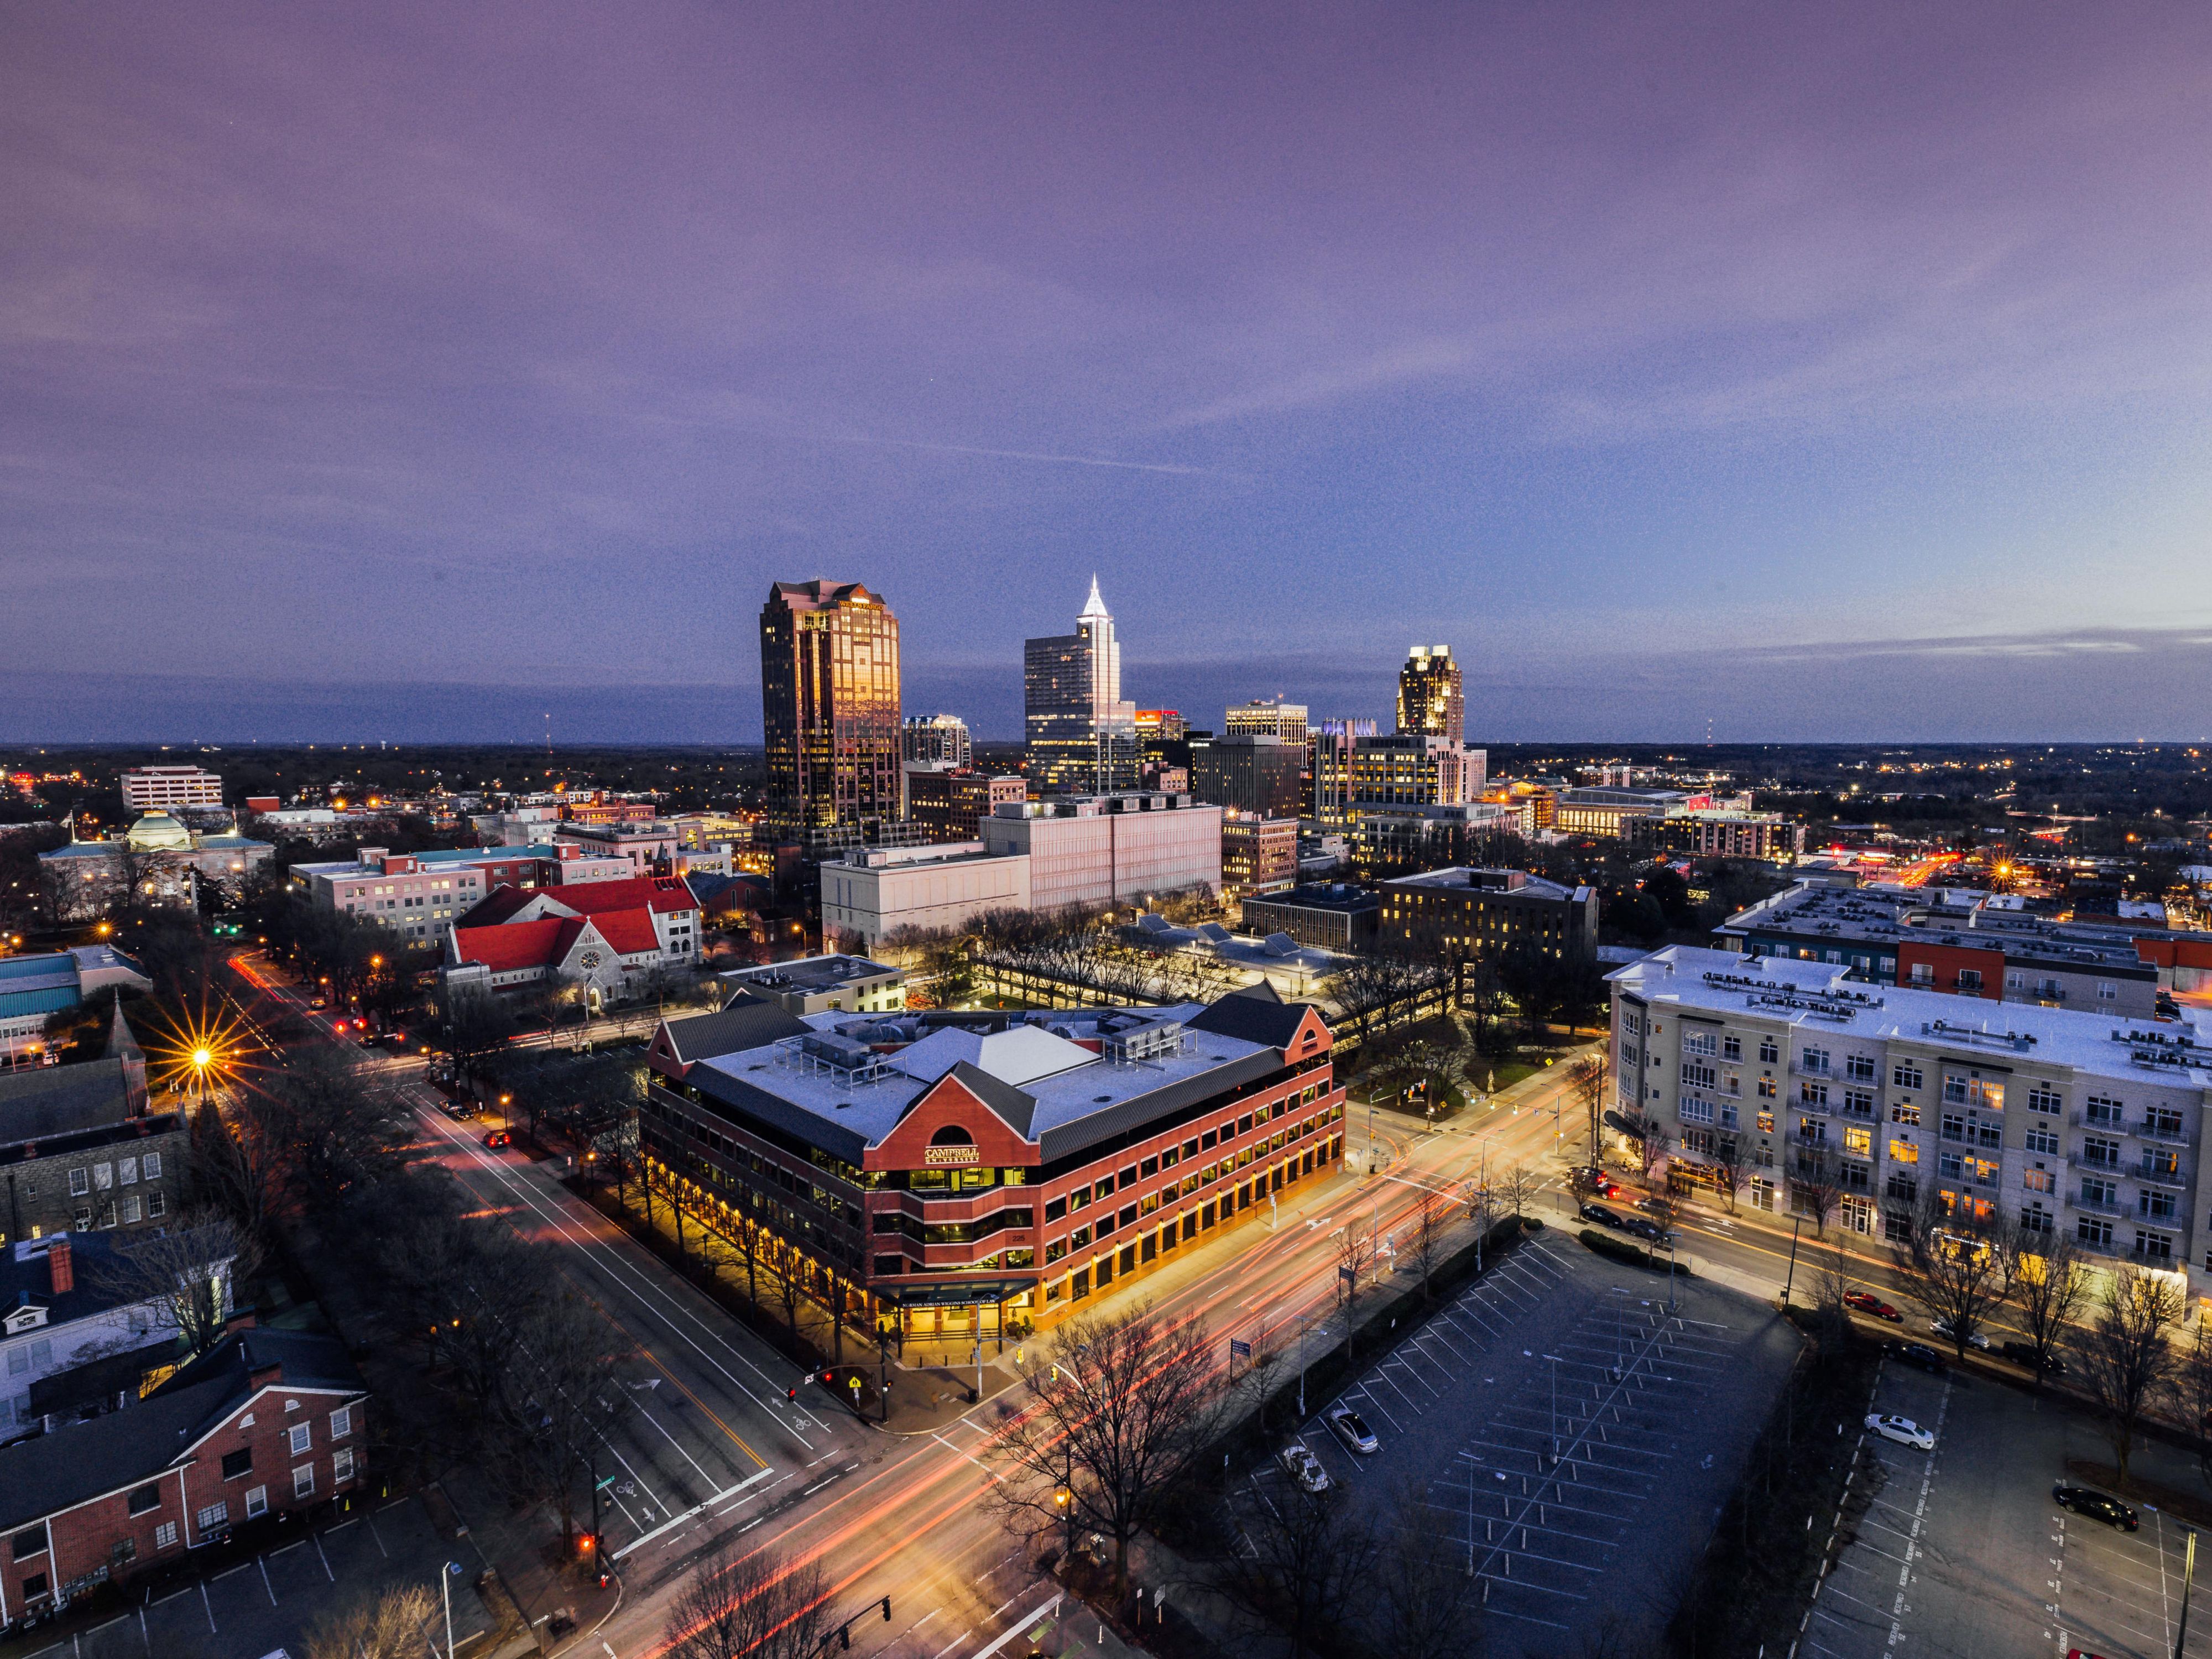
(1662, 360)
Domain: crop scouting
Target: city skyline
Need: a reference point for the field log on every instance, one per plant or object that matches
(1888, 389)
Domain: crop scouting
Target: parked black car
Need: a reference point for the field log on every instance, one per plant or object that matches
(2023, 1353)
(1920, 1354)
(1603, 1217)
(2097, 1505)
(1649, 1231)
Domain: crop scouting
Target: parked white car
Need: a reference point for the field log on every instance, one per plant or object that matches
(1902, 1430)
(1943, 1328)
(1352, 1429)
(1302, 1466)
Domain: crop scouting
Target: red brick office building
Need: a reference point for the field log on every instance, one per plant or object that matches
(959, 1172)
(264, 1423)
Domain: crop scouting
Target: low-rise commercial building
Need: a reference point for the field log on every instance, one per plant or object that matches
(35, 988)
(85, 1147)
(158, 860)
(824, 985)
(1487, 913)
(1714, 833)
(648, 845)
(1789, 1080)
(875, 893)
(1096, 850)
(1395, 838)
(1605, 810)
(950, 1174)
(1327, 916)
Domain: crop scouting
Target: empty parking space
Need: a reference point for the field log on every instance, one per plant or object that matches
(2119, 1594)
(1571, 1435)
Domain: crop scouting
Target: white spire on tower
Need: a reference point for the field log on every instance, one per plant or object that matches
(1095, 606)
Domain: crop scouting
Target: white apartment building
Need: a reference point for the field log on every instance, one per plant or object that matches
(1108, 850)
(159, 789)
(2050, 1117)
(876, 892)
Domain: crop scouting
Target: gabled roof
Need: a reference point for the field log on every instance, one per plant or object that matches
(60, 1100)
(518, 945)
(496, 907)
(1266, 1020)
(82, 1461)
(1021, 1055)
(749, 1022)
(1017, 1109)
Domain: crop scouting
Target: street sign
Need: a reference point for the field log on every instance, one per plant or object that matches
(1347, 1276)
(1239, 1350)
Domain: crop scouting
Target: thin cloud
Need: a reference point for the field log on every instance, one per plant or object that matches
(1035, 455)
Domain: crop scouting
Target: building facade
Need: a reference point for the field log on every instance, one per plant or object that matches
(1270, 717)
(1096, 850)
(1429, 701)
(871, 894)
(829, 700)
(824, 985)
(1608, 811)
(35, 988)
(937, 738)
(1487, 913)
(1324, 916)
(1250, 772)
(160, 788)
(267, 1423)
(961, 1176)
(1080, 737)
(1259, 854)
(944, 803)
(1413, 770)
(1721, 834)
(1804, 1087)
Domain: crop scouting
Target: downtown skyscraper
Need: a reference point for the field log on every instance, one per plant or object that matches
(1430, 704)
(829, 703)
(1080, 737)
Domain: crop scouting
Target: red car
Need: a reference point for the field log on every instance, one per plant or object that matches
(1862, 1301)
(498, 1138)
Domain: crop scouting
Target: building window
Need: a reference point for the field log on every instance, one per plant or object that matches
(80, 1183)
(2108, 991)
(26, 1545)
(302, 1438)
(341, 1466)
(2041, 1139)
(2042, 1098)
(165, 1535)
(150, 1166)
(1905, 1076)
(144, 1498)
(157, 1205)
(256, 1501)
(238, 1463)
(303, 1480)
(214, 1516)
(2038, 1180)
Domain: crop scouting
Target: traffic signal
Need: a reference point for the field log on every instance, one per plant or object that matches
(829, 1379)
(887, 1609)
(845, 1638)
(586, 1543)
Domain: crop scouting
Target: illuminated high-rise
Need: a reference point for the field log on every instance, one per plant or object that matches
(1080, 737)
(830, 701)
(1429, 701)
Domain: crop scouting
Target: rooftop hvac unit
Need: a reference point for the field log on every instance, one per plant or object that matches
(1150, 1042)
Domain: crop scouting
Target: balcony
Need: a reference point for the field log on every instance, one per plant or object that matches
(2151, 1175)
(2095, 1206)
(1825, 1074)
(1819, 1109)
(2088, 1160)
(2148, 1129)
(2081, 1119)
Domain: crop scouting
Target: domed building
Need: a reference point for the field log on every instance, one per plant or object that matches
(165, 860)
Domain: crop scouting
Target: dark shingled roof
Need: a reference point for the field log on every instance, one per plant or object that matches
(82, 1461)
(58, 1100)
(1254, 1020)
(746, 1022)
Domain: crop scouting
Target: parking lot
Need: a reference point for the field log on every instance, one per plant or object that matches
(1962, 1552)
(273, 1600)
(1569, 1434)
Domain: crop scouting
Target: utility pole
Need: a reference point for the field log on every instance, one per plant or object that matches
(2188, 1577)
(1796, 1226)
(1304, 1321)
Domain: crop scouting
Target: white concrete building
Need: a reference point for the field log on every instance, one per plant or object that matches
(1108, 850)
(159, 789)
(876, 892)
(2049, 1117)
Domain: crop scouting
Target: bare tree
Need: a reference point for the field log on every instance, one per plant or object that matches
(1958, 1268)
(1651, 1150)
(2050, 1282)
(557, 1401)
(393, 1625)
(2194, 1388)
(1426, 1240)
(1431, 1609)
(1816, 1182)
(736, 1606)
(1355, 1244)
(1120, 1407)
(1586, 1084)
(1516, 1190)
(2126, 1356)
(1729, 1161)
(190, 1270)
(1305, 1566)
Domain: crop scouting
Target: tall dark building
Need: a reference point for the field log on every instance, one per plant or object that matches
(1429, 701)
(1082, 738)
(829, 700)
